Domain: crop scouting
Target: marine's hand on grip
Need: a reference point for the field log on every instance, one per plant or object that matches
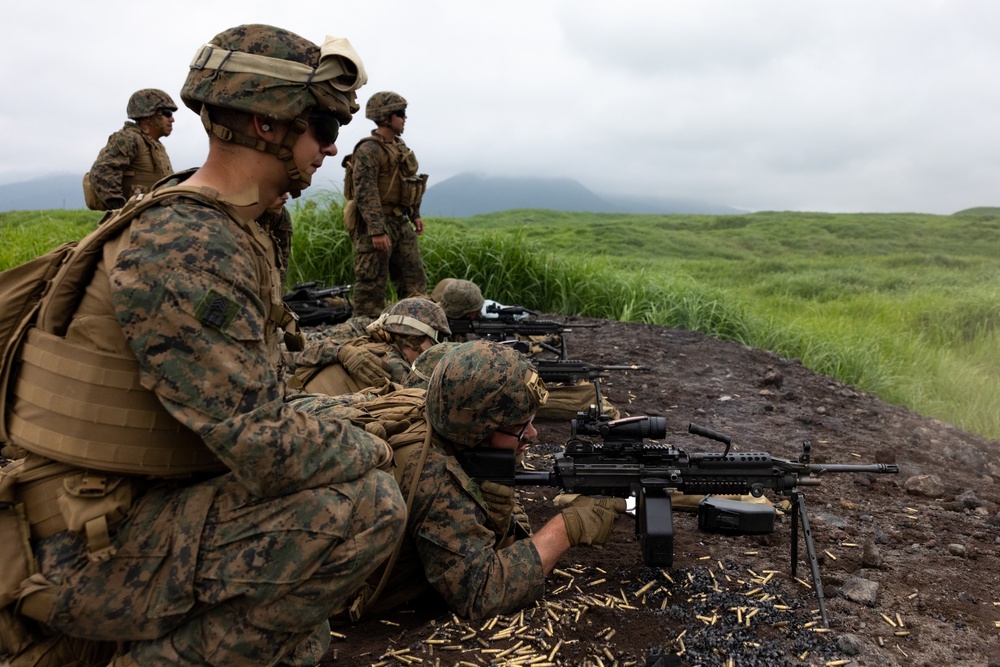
(590, 520)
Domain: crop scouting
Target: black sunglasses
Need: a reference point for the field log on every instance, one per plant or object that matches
(167, 113)
(400, 114)
(519, 435)
(326, 127)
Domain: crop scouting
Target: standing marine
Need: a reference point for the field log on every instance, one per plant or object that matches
(180, 505)
(134, 158)
(382, 213)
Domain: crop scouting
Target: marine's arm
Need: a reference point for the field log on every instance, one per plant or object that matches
(108, 169)
(456, 548)
(367, 162)
(185, 292)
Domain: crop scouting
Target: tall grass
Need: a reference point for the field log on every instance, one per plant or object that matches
(905, 306)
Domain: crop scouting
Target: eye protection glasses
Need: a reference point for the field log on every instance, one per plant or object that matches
(326, 127)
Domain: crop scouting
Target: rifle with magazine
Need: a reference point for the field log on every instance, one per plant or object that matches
(315, 304)
(506, 323)
(623, 464)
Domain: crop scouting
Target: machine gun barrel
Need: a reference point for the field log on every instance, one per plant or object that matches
(571, 370)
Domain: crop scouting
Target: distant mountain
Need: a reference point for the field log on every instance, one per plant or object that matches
(47, 192)
(471, 194)
(457, 197)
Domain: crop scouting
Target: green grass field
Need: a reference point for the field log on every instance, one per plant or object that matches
(905, 306)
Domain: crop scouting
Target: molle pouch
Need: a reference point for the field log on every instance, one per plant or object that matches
(408, 164)
(412, 191)
(92, 503)
(15, 547)
(350, 215)
(735, 517)
(90, 197)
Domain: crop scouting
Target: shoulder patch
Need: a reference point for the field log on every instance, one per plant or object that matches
(217, 310)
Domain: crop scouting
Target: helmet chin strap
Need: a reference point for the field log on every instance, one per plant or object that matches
(283, 151)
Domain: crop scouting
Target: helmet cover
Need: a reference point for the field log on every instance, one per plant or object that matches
(148, 102)
(481, 386)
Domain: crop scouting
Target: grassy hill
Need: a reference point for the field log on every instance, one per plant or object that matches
(906, 306)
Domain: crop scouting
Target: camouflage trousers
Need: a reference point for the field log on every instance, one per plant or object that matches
(373, 269)
(210, 575)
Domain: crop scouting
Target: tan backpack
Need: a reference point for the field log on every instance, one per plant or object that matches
(46, 382)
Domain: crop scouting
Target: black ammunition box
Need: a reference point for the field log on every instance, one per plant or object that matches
(735, 517)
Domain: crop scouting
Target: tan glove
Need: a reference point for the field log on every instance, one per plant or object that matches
(364, 366)
(590, 520)
(499, 504)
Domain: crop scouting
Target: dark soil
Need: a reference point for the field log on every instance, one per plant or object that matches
(925, 540)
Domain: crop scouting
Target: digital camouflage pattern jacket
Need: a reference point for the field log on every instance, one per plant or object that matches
(129, 163)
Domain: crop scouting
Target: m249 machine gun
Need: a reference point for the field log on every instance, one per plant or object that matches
(623, 464)
(315, 304)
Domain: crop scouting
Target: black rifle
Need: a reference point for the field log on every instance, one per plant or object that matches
(573, 371)
(309, 302)
(507, 325)
(623, 464)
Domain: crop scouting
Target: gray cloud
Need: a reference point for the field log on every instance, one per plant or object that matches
(836, 105)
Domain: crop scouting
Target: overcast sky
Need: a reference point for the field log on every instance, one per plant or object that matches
(824, 105)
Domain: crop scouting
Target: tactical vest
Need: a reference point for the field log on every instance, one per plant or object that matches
(75, 394)
(149, 166)
(146, 168)
(400, 188)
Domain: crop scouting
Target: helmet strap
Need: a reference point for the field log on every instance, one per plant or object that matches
(282, 151)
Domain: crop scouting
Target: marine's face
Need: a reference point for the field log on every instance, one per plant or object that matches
(164, 122)
(397, 121)
(309, 152)
(516, 437)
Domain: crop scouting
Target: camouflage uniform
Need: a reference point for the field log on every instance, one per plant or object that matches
(321, 368)
(378, 168)
(132, 161)
(455, 545)
(129, 153)
(243, 568)
(451, 544)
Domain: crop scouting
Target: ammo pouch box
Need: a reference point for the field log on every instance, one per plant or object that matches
(735, 516)
(412, 191)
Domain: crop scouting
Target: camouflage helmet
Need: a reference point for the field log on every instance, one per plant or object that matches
(438, 292)
(273, 73)
(479, 387)
(413, 317)
(268, 71)
(381, 105)
(424, 365)
(460, 298)
(148, 102)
